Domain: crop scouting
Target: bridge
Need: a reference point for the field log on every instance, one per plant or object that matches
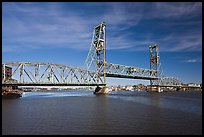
(92, 73)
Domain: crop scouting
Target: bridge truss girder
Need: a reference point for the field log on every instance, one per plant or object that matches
(48, 73)
(122, 71)
(170, 81)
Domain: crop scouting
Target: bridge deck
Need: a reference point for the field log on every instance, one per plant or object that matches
(51, 84)
(130, 76)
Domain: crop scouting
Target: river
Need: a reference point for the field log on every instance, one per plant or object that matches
(119, 113)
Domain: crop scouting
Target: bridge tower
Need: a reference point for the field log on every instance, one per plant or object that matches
(96, 59)
(155, 66)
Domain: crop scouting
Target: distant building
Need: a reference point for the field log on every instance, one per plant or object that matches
(6, 75)
(140, 87)
(193, 85)
(130, 88)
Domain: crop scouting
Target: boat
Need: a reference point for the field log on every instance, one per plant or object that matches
(11, 95)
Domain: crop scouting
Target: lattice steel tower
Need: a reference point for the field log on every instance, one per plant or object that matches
(96, 59)
(154, 64)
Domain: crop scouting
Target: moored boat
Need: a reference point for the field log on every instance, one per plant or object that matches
(11, 95)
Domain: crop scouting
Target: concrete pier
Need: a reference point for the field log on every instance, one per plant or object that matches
(103, 90)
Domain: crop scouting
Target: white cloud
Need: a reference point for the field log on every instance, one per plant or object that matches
(125, 14)
(175, 9)
(31, 26)
(41, 27)
(181, 42)
(193, 60)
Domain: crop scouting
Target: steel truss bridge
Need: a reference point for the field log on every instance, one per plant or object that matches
(93, 73)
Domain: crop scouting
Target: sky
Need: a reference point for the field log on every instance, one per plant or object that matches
(61, 33)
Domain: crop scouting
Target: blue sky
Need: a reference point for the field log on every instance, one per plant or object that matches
(62, 32)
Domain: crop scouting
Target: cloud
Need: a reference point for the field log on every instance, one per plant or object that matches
(51, 25)
(196, 60)
(192, 60)
(38, 26)
(123, 14)
(173, 17)
(175, 9)
(70, 25)
(180, 42)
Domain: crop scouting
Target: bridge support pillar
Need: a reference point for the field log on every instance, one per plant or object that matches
(154, 89)
(103, 90)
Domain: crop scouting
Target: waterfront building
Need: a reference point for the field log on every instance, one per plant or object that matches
(6, 75)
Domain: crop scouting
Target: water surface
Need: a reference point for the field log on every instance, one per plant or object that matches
(119, 113)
